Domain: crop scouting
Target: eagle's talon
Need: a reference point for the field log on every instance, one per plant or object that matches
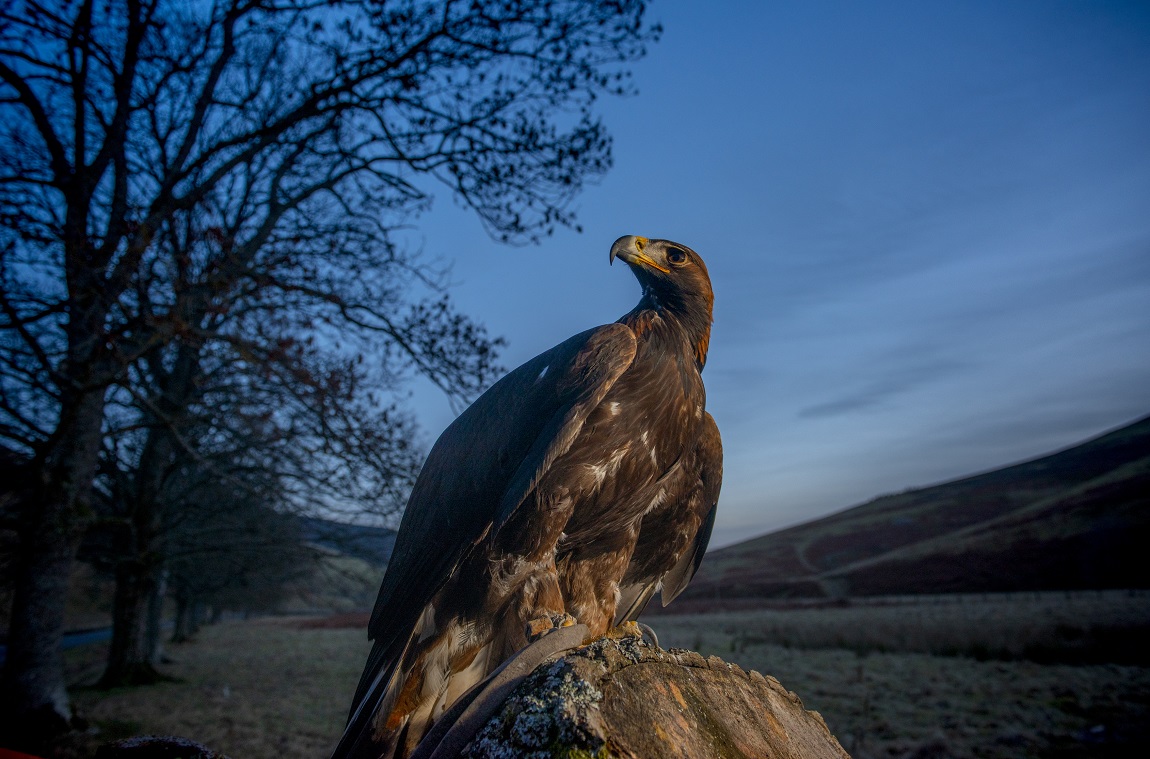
(633, 629)
(540, 626)
(628, 629)
(649, 634)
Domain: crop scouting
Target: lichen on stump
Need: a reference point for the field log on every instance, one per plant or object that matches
(619, 697)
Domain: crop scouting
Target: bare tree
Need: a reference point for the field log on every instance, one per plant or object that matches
(250, 404)
(231, 547)
(282, 142)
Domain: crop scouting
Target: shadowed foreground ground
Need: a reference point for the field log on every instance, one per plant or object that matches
(268, 688)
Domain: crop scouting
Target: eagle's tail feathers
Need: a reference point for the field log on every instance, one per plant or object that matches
(633, 599)
(388, 668)
(429, 678)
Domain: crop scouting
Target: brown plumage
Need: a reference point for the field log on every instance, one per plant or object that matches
(575, 488)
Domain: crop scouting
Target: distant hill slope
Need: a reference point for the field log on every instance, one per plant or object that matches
(1076, 519)
(370, 544)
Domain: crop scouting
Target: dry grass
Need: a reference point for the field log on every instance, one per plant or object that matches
(1053, 627)
(879, 703)
(274, 688)
(255, 689)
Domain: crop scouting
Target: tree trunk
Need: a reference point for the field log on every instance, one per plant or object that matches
(154, 639)
(181, 630)
(35, 700)
(195, 617)
(130, 655)
(35, 693)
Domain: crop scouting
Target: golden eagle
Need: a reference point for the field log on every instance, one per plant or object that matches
(573, 489)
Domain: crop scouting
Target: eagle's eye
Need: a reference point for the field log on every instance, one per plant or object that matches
(676, 256)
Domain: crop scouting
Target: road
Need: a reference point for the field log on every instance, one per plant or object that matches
(73, 639)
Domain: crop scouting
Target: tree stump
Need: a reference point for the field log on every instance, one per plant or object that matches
(619, 697)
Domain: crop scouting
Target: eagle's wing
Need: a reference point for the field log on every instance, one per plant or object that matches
(480, 470)
(673, 538)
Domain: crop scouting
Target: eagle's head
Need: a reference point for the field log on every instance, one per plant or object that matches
(674, 280)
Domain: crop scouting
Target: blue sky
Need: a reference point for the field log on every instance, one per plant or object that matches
(927, 224)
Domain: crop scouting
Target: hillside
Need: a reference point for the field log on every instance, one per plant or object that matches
(1075, 519)
(367, 543)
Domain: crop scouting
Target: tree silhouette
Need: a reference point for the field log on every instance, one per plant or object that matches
(163, 162)
(216, 416)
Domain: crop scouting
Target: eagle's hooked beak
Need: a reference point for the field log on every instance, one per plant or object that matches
(630, 249)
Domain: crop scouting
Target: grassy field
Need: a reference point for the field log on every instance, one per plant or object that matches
(887, 680)
(275, 688)
(1051, 627)
(261, 688)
